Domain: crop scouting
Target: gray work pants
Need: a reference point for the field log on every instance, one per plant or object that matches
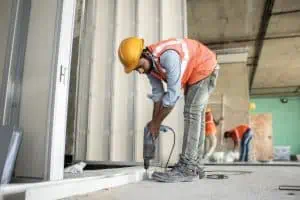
(196, 99)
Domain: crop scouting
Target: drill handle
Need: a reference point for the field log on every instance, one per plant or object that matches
(162, 128)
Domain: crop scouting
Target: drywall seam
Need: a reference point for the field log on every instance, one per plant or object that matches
(184, 18)
(113, 83)
(136, 81)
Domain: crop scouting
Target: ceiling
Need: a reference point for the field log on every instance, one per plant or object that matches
(270, 29)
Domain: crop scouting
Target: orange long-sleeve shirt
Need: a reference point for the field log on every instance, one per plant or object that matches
(238, 132)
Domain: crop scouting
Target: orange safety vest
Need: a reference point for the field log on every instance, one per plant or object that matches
(197, 61)
(210, 127)
(239, 132)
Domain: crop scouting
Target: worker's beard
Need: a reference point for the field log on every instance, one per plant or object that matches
(148, 56)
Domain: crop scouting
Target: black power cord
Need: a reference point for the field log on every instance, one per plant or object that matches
(222, 174)
(172, 149)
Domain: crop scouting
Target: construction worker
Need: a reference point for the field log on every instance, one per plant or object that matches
(210, 133)
(241, 135)
(182, 64)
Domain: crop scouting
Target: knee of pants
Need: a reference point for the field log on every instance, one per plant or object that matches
(194, 108)
(193, 114)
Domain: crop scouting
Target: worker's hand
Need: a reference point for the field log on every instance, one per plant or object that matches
(154, 128)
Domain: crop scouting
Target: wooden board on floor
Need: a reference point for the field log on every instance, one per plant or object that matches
(262, 142)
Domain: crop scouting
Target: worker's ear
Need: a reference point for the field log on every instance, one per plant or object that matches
(146, 53)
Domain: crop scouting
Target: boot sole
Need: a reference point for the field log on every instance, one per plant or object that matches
(161, 178)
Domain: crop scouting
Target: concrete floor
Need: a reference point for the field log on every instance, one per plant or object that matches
(261, 184)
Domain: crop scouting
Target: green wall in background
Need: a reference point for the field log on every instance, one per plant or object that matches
(286, 120)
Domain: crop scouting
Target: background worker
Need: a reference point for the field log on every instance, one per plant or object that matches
(210, 133)
(183, 64)
(241, 135)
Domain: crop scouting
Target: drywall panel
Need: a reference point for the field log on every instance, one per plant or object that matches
(5, 8)
(150, 31)
(262, 145)
(70, 133)
(118, 105)
(36, 89)
(72, 100)
(86, 52)
(173, 24)
(100, 82)
(286, 117)
(122, 109)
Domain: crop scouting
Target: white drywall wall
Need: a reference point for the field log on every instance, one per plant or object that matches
(118, 107)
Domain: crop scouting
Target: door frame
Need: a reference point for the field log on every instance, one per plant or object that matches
(58, 97)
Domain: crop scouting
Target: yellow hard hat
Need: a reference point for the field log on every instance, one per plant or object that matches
(130, 51)
(252, 106)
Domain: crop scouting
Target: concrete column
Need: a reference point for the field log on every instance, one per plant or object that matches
(233, 86)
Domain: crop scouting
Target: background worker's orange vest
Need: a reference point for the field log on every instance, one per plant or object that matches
(210, 127)
(239, 132)
(197, 61)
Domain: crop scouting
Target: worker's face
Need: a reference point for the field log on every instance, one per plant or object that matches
(144, 66)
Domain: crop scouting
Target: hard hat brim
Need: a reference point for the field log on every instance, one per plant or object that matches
(129, 67)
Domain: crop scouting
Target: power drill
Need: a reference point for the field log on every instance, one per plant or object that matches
(149, 144)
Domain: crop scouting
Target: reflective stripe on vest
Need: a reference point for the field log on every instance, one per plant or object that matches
(185, 50)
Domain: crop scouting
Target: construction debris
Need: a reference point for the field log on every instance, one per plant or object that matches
(76, 169)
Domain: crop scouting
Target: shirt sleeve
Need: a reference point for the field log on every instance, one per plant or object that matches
(157, 88)
(171, 62)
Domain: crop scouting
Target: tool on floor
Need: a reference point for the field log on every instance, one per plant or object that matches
(289, 187)
(224, 174)
(149, 145)
(229, 172)
(217, 176)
